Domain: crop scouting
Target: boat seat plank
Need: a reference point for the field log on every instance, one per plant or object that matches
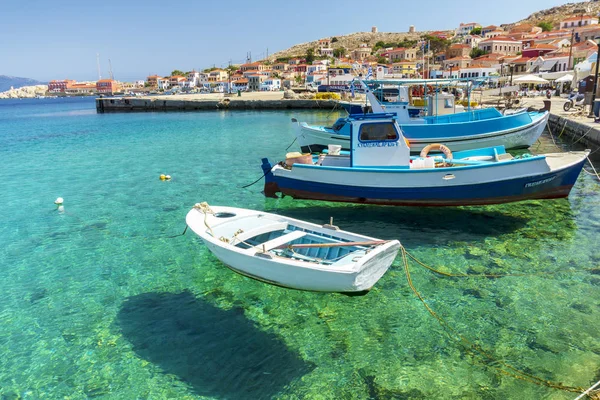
(281, 240)
(258, 230)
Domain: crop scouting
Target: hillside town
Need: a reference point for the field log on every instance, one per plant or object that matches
(498, 53)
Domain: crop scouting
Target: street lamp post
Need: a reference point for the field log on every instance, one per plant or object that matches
(451, 65)
(511, 66)
(597, 40)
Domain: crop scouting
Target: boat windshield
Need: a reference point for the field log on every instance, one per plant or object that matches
(339, 124)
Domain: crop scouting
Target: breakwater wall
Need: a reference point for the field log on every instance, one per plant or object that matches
(586, 133)
(140, 104)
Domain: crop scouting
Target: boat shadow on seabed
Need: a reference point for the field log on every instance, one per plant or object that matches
(219, 353)
(439, 225)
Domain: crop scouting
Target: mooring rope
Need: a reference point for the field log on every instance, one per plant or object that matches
(473, 348)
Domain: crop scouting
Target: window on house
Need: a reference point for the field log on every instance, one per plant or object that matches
(378, 132)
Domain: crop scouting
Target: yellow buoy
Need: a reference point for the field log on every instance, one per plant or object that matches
(163, 177)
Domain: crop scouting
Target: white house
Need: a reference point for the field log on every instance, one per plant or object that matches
(270, 85)
(193, 79)
(465, 29)
(473, 40)
(577, 21)
(476, 72)
(163, 83)
(315, 68)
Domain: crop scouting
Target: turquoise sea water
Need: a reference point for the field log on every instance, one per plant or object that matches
(104, 300)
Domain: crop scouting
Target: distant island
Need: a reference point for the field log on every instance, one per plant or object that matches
(16, 82)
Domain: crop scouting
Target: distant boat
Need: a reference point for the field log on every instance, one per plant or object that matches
(378, 169)
(291, 253)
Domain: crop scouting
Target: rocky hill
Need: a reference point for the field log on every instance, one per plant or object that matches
(349, 42)
(7, 81)
(556, 14)
(353, 40)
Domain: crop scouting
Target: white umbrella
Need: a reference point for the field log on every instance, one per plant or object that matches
(529, 79)
(565, 78)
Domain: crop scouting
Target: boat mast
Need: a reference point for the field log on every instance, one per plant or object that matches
(98, 65)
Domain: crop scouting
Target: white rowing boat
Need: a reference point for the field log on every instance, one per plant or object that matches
(292, 253)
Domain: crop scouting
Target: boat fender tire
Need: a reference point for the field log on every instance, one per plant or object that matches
(436, 146)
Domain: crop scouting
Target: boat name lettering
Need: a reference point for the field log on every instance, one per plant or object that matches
(378, 144)
(537, 183)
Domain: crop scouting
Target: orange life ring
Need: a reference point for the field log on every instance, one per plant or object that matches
(407, 142)
(436, 146)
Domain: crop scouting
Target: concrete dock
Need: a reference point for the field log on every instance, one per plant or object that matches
(248, 101)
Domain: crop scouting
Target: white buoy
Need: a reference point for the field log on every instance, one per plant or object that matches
(59, 201)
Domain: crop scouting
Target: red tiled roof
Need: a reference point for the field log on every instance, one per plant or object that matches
(578, 18)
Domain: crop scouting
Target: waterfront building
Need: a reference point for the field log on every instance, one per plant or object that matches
(465, 29)
(473, 40)
(163, 83)
(404, 68)
(537, 50)
(476, 72)
(239, 84)
(458, 50)
(254, 81)
(270, 85)
(501, 45)
(281, 67)
(152, 80)
(577, 21)
(490, 28)
(361, 53)
(255, 66)
(217, 75)
(456, 63)
(556, 62)
(177, 80)
(493, 34)
(60, 86)
(400, 54)
(82, 88)
(587, 33)
(108, 86)
(521, 65)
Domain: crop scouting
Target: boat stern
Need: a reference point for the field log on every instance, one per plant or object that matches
(271, 188)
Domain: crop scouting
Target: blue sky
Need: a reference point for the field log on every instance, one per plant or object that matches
(60, 39)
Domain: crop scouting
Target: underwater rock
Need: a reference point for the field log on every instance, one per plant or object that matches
(38, 295)
(583, 308)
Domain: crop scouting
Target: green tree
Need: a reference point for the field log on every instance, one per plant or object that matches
(475, 31)
(382, 60)
(177, 72)
(339, 52)
(477, 52)
(334, 39)
(437, 44)
(310, 56)
(546, 26)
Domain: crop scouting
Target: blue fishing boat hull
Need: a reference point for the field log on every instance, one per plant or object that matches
(550, 185)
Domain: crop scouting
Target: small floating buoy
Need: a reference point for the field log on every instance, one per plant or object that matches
(59, 201)
(168, 177)
(164, 177)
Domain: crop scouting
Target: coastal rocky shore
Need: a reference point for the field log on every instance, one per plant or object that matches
(25, 92)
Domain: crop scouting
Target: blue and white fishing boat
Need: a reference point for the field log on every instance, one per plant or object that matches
(466, 130)
(378, 169)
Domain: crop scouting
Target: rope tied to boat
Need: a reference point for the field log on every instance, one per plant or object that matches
(205, 209)
(476, 350)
